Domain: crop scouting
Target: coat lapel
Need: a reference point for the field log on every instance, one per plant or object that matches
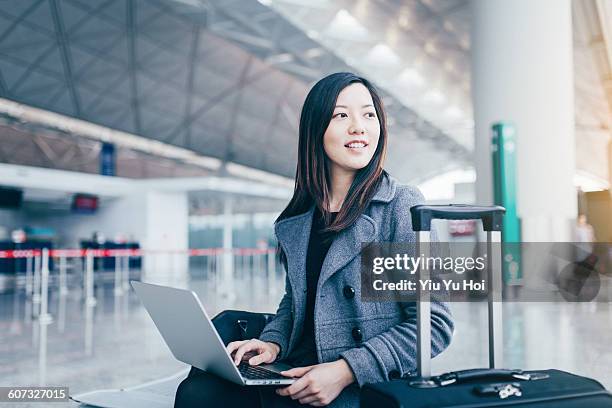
(347, 245)
(293, 234)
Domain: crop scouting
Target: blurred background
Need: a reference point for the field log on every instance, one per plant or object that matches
(157, 140)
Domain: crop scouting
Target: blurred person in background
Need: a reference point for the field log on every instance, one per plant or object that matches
(584, 231)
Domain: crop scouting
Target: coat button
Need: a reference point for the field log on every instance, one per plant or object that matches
(349, 292)
(394, 375)
(357, 335)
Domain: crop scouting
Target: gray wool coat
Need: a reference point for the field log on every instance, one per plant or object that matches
(386, 348)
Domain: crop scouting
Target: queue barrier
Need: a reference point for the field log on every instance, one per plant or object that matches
(39, 266)
(102, 253)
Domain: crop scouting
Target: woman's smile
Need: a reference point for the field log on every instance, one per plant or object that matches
(356, 144)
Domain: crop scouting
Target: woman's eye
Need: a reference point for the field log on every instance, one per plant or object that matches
(341, 115)
(371, 115)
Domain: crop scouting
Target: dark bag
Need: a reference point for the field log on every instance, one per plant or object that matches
(486, 387)
(234, 325)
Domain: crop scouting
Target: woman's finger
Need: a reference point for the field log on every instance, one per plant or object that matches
(305, 393)
(248, 346)
(234, 345)
(297, 371)
(261, 358)
(294, 388)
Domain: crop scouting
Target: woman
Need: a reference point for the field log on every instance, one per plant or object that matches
(343, 197)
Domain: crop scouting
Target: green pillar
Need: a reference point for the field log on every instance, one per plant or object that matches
(504, 192)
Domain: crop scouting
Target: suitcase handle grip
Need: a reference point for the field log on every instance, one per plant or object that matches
(457, 377)
(491, 216)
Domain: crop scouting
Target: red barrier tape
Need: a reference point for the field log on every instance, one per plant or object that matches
(106, 253)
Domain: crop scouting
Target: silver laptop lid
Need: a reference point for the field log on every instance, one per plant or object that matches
(178, 313)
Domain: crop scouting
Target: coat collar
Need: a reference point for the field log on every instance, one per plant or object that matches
(293, 234)
(386, 190)
(347, 245)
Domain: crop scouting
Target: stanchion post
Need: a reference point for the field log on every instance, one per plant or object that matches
(28, 290)
(36, 288)
(28, 281)
(90, 302)
(90, 299)
(62, 276)
(44, 318)
(126, 273)
(208, 265)
(118, 286)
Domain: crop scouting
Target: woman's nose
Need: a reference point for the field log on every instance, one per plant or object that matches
(356, 128)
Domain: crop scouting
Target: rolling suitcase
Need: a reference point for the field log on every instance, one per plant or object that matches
(486, 387)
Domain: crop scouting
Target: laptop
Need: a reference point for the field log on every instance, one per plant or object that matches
(193, 339)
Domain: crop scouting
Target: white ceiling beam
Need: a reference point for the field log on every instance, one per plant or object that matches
(67, 181)
(219, 184)
(73, 182)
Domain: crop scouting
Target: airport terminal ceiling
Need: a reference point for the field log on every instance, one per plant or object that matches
(226, 79)
(190, 75)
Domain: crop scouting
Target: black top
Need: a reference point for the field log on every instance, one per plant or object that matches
(305, 352)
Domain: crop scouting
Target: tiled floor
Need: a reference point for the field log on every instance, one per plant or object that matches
(118, 346)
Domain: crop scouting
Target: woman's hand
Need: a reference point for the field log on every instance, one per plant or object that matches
(265, 352)
(319, 384)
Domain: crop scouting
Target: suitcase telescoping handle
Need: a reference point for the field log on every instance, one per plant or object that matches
(491, 217)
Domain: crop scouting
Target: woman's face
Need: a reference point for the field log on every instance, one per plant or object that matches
(352, 135)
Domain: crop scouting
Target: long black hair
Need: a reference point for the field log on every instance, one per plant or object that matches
(312, 177)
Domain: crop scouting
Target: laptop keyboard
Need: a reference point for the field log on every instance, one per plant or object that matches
(258, 373)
